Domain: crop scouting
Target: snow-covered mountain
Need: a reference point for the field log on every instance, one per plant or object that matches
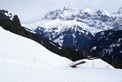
(108, 44)
(17, 49)
(24, 60)
(74, 27)
(108, 41)
(120, 10)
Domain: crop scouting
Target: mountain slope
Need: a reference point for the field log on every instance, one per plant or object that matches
(17, 60)
(19, 49)
(13, 24)
(108, 44)
(23, 60)
(70, 24)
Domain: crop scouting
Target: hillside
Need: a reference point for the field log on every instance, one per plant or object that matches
(24, 60)
(15, 48)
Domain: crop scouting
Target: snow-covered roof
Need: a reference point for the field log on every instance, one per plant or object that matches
(92, 63)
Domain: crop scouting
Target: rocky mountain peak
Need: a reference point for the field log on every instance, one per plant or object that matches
(62, 14)
(120, 10)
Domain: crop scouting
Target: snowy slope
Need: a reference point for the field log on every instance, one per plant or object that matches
(14, 48)
(10, 72)
(23, 60)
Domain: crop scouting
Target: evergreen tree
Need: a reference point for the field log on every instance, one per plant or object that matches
(16, 21)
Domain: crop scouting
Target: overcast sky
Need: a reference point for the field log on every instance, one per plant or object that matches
(31, 10)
